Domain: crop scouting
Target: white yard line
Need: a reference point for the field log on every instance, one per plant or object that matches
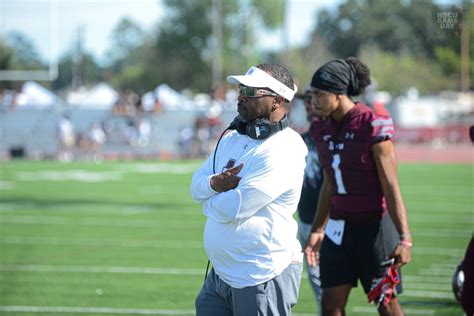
(84, 176)
(446, 265)
(6, 185)
(94, 310)
(408, 311)
(136, 311)
(449, 252)
(49, 220)
(437, 272)
(429, 294)
(91, 221)
(443, 233)
(416, 286)
(78, 207)
(437, 218)
(98, 269)
(462, 209)
(426, 286)
(426, 279)
(18, 240)
(172, 168)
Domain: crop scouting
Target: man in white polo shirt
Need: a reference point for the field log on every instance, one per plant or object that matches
(250, 188)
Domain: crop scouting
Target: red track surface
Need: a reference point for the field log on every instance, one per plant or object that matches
(463, 153)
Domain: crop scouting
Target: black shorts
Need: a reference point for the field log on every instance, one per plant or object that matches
(363, 248)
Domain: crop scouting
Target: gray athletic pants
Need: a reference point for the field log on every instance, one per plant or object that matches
(275, 297)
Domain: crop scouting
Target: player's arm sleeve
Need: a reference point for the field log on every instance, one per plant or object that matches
(200, 188)
(382, 129)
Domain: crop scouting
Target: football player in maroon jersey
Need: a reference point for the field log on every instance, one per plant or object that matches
(361, 218)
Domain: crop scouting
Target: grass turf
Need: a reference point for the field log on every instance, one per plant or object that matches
(128, 235)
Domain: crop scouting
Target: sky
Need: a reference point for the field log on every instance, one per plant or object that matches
(97, 18)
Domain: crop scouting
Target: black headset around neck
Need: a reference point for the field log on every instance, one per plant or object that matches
(259, 128)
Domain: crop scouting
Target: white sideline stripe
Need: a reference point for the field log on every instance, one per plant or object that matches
(437, 272)
(90, 221)
(424, 286)
(428, 294)
(95, 310)
(425, 279)
(160, 168)
(96, 208)
(97, 269)
(450, 252)
(431, 218)
(408, 311)
(456, 192)
(6, 185)
(110, 310)
(443, 233)
(444, 265)
(78, 175)
(101, 242)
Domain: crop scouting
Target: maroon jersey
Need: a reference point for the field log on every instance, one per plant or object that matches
(345, 151)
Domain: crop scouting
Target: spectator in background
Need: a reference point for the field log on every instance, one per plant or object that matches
(7, 99)
(202, 136)
(360, 187)
(214, 123)
(313, 178)
(250, 190)
(131, 132)
(66, 139)
(96, 138)
(186, 142)
(144, 131)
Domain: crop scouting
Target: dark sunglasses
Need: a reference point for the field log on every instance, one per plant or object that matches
(255, 92)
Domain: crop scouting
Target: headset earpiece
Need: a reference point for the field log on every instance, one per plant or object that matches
(258, 128)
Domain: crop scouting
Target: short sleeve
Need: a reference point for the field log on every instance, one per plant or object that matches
(381, 128)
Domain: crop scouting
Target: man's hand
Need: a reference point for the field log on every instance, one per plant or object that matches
(402, 253)
(226, 180)
(312, 247)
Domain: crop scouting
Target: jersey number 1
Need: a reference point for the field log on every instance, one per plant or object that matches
(341, 189)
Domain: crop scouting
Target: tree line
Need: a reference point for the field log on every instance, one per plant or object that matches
(405, 43)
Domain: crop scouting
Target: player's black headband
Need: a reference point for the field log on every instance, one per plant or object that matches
(336, 76)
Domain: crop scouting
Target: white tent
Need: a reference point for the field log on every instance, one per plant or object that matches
(101, 96)
(148, 101)
(171, 99)
(35, 95)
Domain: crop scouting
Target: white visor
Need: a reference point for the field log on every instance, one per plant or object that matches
(257, 78)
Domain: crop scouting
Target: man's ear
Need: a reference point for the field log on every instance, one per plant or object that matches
(278, 102)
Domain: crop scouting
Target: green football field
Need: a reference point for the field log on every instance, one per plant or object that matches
(126, 238)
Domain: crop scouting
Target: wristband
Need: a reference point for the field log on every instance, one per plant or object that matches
(406, 243)
(403, 236)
